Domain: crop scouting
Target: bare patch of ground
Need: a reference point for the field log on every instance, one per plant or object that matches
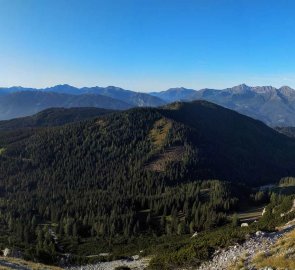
(159, 132)
(159, 162)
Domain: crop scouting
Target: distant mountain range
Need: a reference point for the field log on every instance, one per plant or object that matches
(275, 107)
(18, 101)
(26, 103)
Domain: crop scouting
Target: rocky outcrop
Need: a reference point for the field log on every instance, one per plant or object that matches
(138, 264)
(228, 258)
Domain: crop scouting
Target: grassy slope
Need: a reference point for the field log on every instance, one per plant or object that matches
(281, 254)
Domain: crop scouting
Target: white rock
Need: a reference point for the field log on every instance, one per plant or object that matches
(195, 234)
(135, 257)
(6, 252)
(259, 233)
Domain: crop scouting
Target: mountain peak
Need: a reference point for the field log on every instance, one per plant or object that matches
(243, 85)
(113, 87)
(175, 94)
(286, 88)
(241, 88)
(61, 85)
(287, 91)
(264, 89)
(177, 89)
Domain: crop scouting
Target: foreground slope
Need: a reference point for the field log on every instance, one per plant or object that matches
(134, 172)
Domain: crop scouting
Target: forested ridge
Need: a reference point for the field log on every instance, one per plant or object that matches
(165, 171)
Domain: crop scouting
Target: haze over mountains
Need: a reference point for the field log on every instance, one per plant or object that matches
(19, 101)
(53, 117)
(275, 107)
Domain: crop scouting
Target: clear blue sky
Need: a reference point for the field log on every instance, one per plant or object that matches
(147, 45)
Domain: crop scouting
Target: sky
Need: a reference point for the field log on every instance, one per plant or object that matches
(147, 45)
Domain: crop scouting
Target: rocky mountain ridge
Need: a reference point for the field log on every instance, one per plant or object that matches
(274, 106)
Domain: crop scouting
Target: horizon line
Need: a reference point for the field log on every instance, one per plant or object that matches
(157, 91)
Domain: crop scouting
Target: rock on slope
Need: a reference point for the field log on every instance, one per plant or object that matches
(133, 264)
(245, 257)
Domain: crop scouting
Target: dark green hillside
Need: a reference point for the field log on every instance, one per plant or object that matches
(53, 117)
(92, 179)
(233, 146)
(133, 172)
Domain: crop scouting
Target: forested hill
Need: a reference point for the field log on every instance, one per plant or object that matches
(233, 146)
(53, 117)
(125, 173)
(215, 142)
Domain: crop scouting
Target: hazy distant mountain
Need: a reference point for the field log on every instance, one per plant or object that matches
(276, 107)
(9, 90)
(26, 103)
(53, 117)
(174, 94)
(133, 98)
